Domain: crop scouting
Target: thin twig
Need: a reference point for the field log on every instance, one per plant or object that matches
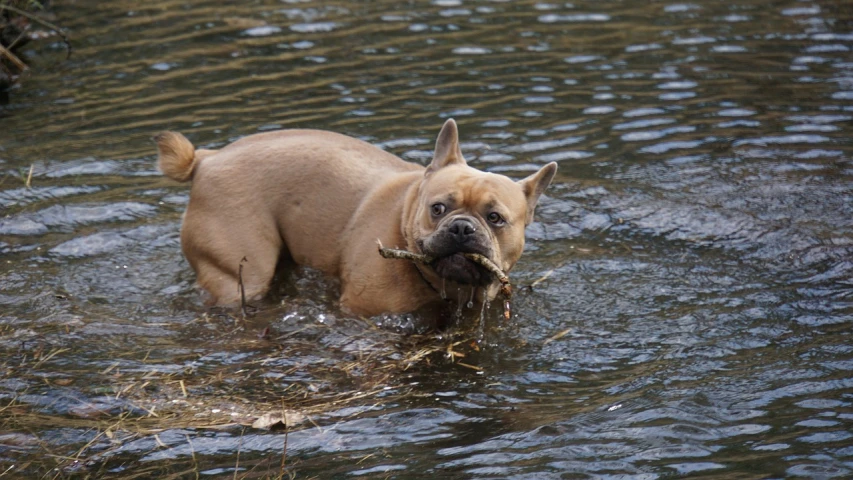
(239, 447)
(13, 58)
(403, 254)
(42, 22)
(192, 452)
(18, 39)
(557, 336)
(284, 449)
(241, 288)
(30, 177)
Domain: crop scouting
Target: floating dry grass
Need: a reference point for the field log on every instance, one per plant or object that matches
(223, 397)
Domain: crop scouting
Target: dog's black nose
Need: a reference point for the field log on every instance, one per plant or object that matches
(462, 229)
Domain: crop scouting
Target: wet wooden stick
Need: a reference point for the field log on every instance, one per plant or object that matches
(506, 288)
(393, 253)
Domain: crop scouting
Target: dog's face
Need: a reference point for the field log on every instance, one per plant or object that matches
(462, 210)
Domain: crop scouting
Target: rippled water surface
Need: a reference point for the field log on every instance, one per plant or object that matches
(690, 271)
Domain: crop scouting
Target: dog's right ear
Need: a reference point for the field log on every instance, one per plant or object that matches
(534, 185)
(447, 150)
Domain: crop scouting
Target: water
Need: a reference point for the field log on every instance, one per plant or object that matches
(692, 264)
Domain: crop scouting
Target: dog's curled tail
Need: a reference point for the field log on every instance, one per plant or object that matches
(178, 158)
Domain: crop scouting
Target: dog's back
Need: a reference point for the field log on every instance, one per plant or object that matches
(289, 191)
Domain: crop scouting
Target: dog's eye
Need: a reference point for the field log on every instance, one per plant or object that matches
(496, 219)
(438, 209)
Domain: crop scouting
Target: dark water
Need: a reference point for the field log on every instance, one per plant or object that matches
(693, 262)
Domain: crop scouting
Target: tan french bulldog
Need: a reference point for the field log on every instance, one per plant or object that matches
(324, 199)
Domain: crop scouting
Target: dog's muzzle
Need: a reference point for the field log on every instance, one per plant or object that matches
(461, 235)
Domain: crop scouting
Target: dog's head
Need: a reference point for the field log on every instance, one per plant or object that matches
(462, 210)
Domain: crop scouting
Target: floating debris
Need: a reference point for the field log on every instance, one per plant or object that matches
(278, 421)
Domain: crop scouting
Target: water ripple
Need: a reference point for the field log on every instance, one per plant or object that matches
(66, 217)
(685, 286)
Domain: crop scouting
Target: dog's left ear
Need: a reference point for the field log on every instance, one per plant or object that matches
(534, 185)
(447, 150)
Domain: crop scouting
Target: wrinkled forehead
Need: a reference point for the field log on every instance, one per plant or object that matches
(467, 185)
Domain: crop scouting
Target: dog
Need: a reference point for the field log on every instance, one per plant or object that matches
(324, 199)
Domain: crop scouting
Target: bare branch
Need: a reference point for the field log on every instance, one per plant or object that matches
(42, 22)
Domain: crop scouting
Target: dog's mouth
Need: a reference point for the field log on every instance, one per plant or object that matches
(456, 267)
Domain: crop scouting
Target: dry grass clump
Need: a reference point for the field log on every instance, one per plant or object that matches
(145, 403)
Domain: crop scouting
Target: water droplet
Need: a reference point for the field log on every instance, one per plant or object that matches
(481, 324)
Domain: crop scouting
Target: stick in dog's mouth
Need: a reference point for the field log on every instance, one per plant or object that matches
(485, 262)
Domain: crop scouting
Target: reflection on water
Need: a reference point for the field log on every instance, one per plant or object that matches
(691, 311)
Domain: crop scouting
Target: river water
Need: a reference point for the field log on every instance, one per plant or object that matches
(684, 304)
